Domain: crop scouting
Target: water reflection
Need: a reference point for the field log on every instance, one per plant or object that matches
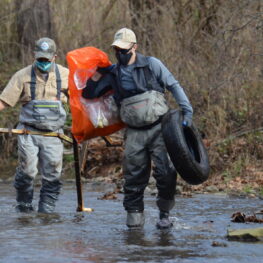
(48, 219)
(144, 246)
(78, 217)
(139, 237)
(24, 220)
(81, 249)
(166, 238)
(102, 236)
(33, 219)
(135, 237)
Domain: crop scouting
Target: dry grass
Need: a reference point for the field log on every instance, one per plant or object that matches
(214, 48)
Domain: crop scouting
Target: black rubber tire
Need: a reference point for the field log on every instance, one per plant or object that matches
(185, 148)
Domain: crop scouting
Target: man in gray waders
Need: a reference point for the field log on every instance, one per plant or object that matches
(140, 87)
(40, 89)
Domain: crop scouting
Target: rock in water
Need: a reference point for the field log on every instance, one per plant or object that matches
(247, 235)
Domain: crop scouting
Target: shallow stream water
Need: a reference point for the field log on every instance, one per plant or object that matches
(101, 236)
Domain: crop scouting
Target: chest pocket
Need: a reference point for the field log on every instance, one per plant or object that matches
(143, 109)
(45, 115)
(46, 111)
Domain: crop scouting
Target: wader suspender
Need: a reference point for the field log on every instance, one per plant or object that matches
(147, 74)
(33, 83)
(33, 95)
(148, 77)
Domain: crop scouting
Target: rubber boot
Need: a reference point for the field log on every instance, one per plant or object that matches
(164, 222)
(135, 219)
(24, 201)
(48, 196)
(24, 192)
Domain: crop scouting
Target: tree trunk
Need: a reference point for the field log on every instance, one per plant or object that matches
(145, 14)
(33, 22)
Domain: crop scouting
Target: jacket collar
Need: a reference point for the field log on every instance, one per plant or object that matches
(140, 62)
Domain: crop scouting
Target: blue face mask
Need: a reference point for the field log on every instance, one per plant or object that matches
(44, 65)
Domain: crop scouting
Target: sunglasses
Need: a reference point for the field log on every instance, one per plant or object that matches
(122, 50)
(43, 60)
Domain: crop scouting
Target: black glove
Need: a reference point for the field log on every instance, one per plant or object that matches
(105, 70)
(89, 91)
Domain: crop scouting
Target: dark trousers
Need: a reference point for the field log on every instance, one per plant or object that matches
(142, 148)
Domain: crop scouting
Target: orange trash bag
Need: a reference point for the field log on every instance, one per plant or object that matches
(82, 64)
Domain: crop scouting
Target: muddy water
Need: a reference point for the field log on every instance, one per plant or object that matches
(101, 236)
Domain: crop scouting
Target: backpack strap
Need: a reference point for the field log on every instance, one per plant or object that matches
(33, 83)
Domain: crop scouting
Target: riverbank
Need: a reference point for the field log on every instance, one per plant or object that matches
(108, 179)
(102, 165)
(228, 175)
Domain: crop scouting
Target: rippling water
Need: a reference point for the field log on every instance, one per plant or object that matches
(101, 236)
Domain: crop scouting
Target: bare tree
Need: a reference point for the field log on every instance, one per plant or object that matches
(145, 14)
(33, 22)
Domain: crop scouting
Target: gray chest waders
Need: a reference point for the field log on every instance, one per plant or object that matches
(46, 115)
(144, 109)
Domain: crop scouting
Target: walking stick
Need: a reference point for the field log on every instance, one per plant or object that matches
(80, 207)
(47, 134)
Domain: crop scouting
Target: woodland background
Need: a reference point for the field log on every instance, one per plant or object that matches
(213, 47)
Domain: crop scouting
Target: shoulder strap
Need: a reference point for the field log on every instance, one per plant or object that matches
(152, 83)
(58, 79)
(148, 77)
(33, 83)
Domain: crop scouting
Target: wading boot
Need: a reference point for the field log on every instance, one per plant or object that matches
(24, 208)
(164, 222)
(48, 196)
(46, 205)
(135, 219)
(24, 192)
(24, 201)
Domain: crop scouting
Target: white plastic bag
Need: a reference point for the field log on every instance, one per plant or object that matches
(81, 76)
(102, 111)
